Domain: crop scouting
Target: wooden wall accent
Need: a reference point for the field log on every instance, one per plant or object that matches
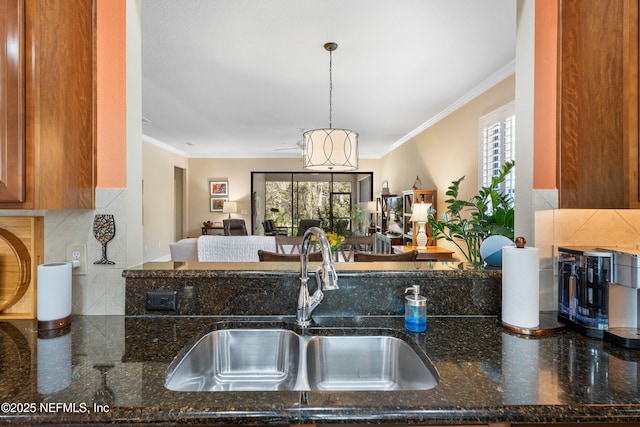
(30, 230)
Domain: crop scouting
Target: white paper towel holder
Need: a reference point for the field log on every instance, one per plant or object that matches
(549, 325)
(548, 321)
(58, 317)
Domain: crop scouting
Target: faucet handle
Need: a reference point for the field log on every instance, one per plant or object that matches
(326, 277)
(332, 280)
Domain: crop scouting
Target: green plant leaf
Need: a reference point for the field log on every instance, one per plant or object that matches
(467, 223)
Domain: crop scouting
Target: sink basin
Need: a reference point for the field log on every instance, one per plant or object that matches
(280, 359)
(238, 359)
(365, 363)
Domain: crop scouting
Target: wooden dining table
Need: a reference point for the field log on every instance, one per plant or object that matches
(430, 253)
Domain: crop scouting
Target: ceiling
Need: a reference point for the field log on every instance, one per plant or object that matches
(245, 78)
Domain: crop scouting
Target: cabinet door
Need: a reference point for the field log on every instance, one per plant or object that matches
(599, 104)
(61, 102)
(12, 142)
(47, 104)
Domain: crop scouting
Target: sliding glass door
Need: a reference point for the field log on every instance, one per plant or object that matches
(289, 197)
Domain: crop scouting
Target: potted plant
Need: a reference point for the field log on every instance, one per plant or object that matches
(467, 223)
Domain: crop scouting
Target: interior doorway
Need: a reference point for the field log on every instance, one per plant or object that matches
(179, 202)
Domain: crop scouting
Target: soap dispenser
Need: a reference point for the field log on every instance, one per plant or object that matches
(415, 310)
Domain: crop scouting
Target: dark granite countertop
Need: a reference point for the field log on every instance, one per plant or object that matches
(192, 269)
(487, 375)
(238, 288)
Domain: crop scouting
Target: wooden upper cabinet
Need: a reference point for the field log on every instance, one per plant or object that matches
(59, 104)
(12, 140)
(598, 165)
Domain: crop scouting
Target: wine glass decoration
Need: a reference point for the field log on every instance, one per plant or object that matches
(104, 229)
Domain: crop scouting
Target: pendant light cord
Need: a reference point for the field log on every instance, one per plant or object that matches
(330, 87)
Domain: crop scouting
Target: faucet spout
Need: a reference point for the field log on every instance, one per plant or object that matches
(326, 277)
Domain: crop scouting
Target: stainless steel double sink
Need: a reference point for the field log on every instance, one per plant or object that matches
(280, 359)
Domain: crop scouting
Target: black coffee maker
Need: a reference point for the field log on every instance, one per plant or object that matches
(584, 274)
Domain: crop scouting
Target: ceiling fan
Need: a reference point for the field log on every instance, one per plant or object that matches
(299, 146)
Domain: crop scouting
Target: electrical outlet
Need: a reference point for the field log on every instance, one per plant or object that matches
(79, 252)
(161, 300)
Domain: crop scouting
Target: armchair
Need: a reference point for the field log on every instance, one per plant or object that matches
(270, 229)
(305, 224)
(234, 227)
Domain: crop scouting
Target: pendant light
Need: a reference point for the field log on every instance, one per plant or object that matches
(330, 149)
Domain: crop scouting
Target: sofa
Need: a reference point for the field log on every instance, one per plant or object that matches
(221, 248)
(233, 248)
(184, 250)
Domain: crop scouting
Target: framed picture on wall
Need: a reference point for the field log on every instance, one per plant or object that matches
(218, 188)
(217, 203)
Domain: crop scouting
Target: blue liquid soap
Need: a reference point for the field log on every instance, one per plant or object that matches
(415, 310)
(415, 324)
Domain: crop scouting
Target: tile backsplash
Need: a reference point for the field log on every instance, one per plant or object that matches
(101, 290)
(576, 227)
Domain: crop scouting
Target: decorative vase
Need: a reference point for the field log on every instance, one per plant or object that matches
(491, 249)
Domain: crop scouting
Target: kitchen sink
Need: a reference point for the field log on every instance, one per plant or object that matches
(280, 359)
(238, 359)
(366, 363)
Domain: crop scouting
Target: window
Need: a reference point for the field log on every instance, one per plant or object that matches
(497, 146)
(288, 197)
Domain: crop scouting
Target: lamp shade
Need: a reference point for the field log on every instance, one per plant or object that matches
(330, 150)
(420, 212)
(229, 207)
(371, 207)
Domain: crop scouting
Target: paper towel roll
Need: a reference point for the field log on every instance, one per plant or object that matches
(520, 287)
(54, 294)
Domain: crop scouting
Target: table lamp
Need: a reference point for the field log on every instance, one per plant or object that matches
(420, 214)
(229, 207)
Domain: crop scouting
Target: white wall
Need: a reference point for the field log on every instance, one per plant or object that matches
(133, 229)
(524, 221)
(158, 199)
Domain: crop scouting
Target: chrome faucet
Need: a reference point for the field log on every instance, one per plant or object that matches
(326, 276)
